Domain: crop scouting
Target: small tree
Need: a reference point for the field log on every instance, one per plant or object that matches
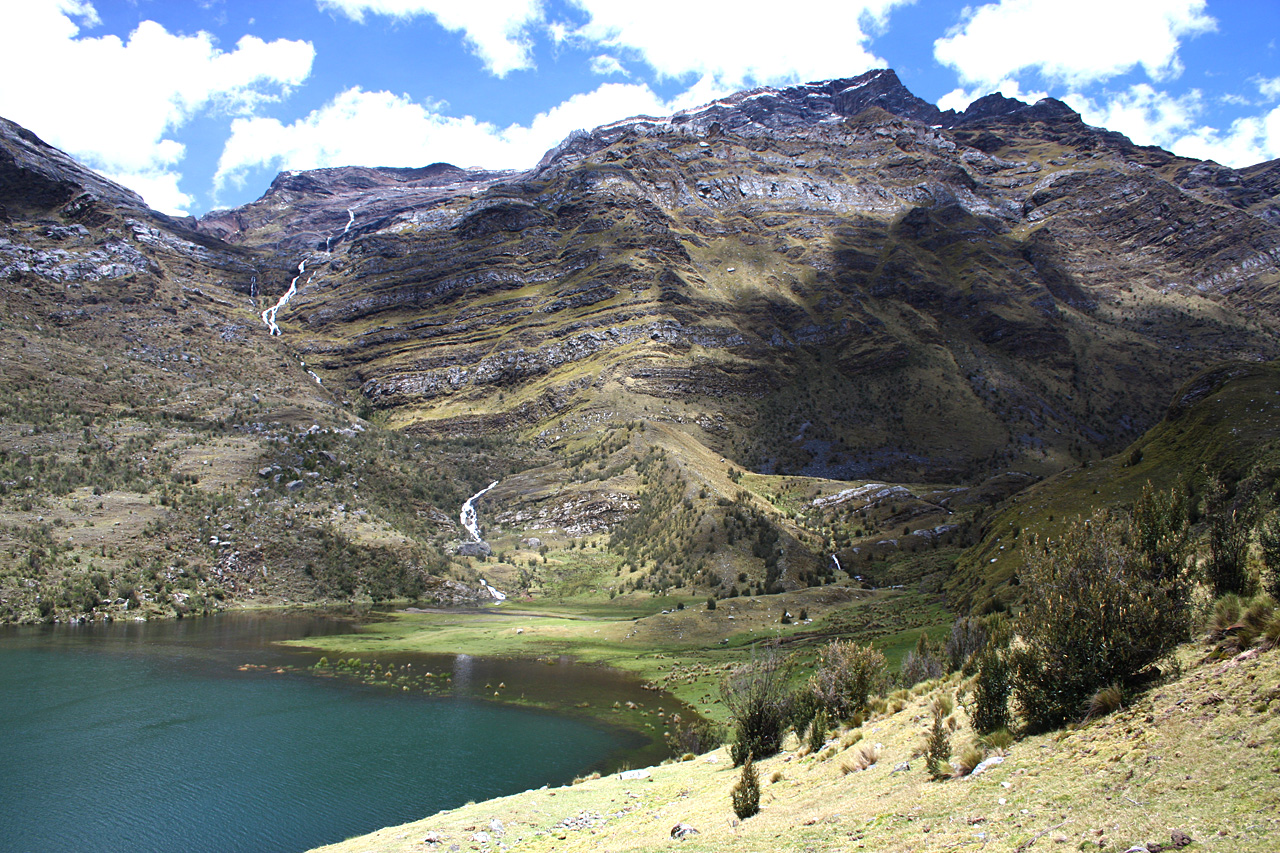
(926, 662)
(758, 700)
(818, 730)
(968, 637)
(990, 709)
(1269, 539)
(746, 793)
(1230, 525)
(1097, 612)
(845, 677)
(938, 747)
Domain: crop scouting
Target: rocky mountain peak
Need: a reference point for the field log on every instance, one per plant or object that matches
(35, 178)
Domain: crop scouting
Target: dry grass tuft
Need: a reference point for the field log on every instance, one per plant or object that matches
(1105, 701)
(966, 758)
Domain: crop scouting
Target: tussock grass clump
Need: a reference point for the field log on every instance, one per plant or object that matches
(1105, 701)
(850, 738)
(967, 757)
(868, 755)
(998, 741)
(1271, 631)
(1226, 612)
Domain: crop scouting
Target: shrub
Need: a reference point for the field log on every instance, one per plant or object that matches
(746, 793)
(968, 637)
(845, 677)
(696, 736)
(923, 664)
(1098, 611)
(937, 748)
(1269, 539)
(818, 730)
(758, 701)
(989, 711)
(1230, 524)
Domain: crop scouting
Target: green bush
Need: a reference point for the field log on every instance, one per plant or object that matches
(1100, 608)
(845, 677)
(968, 637)
(1269, 539)
(990, 709)
(926, 662)
(937, 748)
(818, 731)
(759, 703)
(693, 736)
(1230, 526)
(746, 793)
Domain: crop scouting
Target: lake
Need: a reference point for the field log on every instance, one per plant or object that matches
(202, 735)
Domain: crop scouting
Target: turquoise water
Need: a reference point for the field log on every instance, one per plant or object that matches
(147, 737)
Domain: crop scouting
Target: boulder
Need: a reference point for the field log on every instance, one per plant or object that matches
(473, 549)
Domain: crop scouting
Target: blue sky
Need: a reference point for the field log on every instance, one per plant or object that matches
(198, 104)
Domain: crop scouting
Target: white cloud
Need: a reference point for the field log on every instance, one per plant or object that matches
(1269, 87)
(1142, 113)
(806, 41)
(112, 103)
(382, 129)
(1151, 117)
(606, 65)
(1079, 42)
(1250, 140)
(497, 30)
(959, 100)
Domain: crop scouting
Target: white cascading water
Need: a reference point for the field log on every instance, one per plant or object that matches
(269, 316)
(468, 515)
(472, 525)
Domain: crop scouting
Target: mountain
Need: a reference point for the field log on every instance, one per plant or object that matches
(682, 344)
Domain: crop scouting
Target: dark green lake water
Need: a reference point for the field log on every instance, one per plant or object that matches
(150, 737)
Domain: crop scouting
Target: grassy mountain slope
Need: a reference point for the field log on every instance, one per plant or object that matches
(1196, 755)
(1224, 420)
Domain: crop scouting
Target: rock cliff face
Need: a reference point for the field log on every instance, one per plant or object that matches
(835, 279)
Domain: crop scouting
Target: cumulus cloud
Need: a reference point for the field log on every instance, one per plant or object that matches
(114, 104)
(605, 65)
(959, 99)
(1087, 40)
(1142, 113)
(382, 129)
(1174, 122)
(496, 30)
(809, 41)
